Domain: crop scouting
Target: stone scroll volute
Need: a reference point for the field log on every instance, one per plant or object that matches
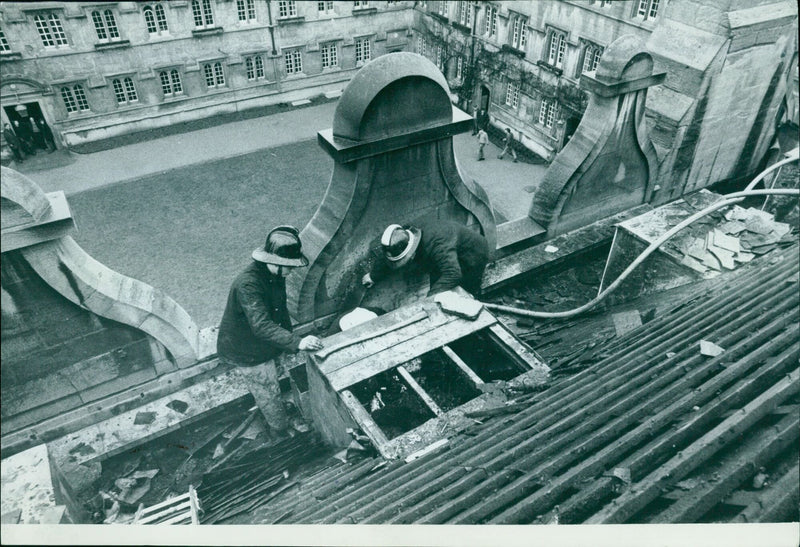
(609, 165)
(392, 144)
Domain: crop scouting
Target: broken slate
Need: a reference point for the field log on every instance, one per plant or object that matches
(724, 256)
(710, 349)
(726, 242)
(143, 418)
(758, 225)
(627, 321)
(732, 227)
(178, 406)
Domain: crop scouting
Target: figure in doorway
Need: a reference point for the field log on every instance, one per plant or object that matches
(25, 137)
(13, 143)
(47, 134)
(36, 135)
(476, 122)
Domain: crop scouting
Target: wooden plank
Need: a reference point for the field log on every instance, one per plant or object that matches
(407, 350)
(363, 419)
(508, 340)
(177, 519)
(323, 353)
(166, 512)
(462, 366)
(345, 357)
(165, 503)
(418, 389)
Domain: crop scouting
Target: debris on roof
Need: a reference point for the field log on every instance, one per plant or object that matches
(650, 431)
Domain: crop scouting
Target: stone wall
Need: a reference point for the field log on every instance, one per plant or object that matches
(57, 356)
(716, 114)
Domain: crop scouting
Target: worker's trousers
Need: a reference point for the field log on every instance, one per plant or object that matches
(262, 381)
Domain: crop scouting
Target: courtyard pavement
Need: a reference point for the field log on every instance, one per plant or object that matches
(508, 184)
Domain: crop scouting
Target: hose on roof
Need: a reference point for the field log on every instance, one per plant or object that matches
(728, 199)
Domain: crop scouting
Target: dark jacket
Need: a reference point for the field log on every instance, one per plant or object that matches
(451, 253)
(11, 138)
(255, 326)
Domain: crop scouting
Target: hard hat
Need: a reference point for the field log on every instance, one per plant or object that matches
(399, 244)
(282, 248)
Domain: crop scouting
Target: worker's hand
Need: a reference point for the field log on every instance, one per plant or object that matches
(367, 281)
(311, 343)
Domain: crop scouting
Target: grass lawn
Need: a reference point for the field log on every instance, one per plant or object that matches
(189, 231)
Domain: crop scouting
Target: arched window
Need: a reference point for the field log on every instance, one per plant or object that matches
(251, 71)
(215, 76)
(246, 10)
(175, 78)
(170, 82)
(119, 91)
(99, 26)
(155, 19)
(161, 18)
(105, 26)
(202, 13)
(111, 25)
(150, 20)
(130, 91)
(74, 98)
(591, 57)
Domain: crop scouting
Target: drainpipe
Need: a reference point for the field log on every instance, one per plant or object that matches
(472, 50)
(274, 49)
(271, 28)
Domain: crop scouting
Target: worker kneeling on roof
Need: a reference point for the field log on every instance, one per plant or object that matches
(451, 253)
(256, 328)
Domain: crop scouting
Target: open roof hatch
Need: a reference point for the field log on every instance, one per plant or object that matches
(407, 378)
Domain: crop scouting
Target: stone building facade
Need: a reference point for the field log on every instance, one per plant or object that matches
(99, 69)
(522, 62)
(96, 70)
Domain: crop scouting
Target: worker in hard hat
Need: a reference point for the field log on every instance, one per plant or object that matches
(255, 328)
(453, 254)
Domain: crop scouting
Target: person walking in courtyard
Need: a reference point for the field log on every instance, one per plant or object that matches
(453, 254)
(483, 140)
(255, 328)
(13, 142)
(47, 134)
(508, 143)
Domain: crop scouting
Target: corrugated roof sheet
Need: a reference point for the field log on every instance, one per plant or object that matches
(654, 432)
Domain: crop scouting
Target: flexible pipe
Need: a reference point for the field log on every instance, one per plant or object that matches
(729, 199)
